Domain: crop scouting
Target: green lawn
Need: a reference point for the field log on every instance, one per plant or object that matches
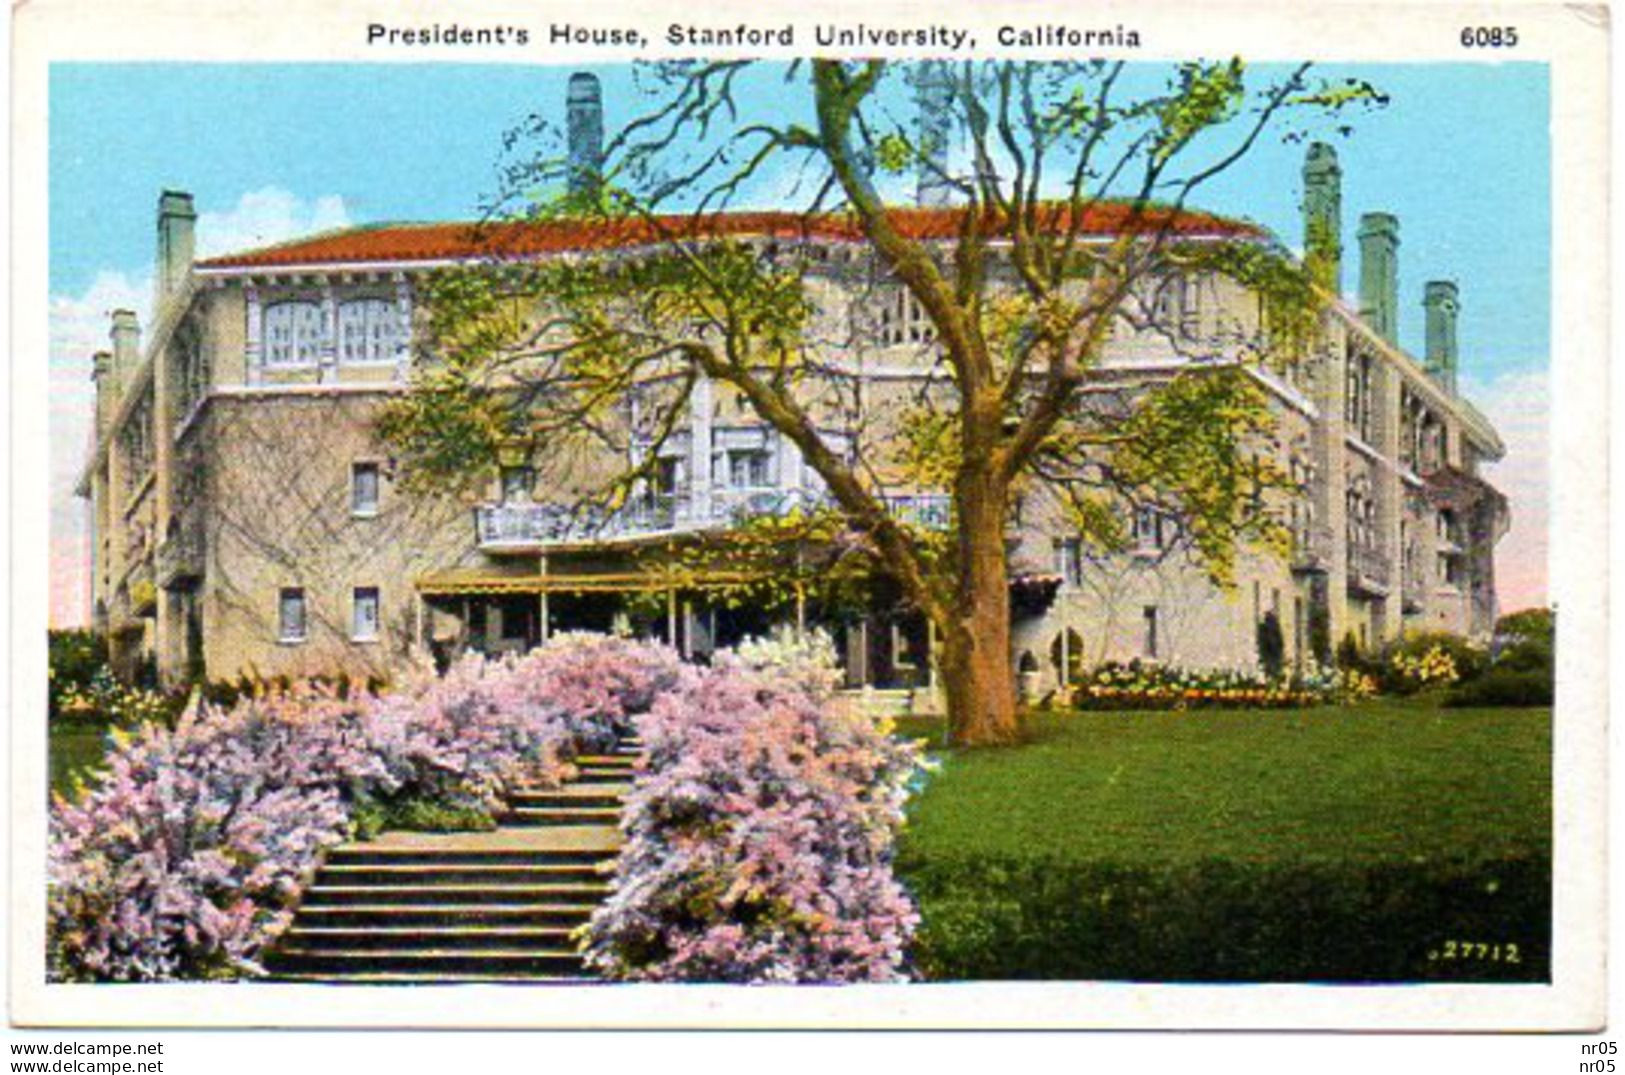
(74, 749)
(1380, 782)
(1335, 843)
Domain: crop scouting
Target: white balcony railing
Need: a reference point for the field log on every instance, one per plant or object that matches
(518, 527)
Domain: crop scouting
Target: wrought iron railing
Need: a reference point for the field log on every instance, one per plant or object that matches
(517, 526)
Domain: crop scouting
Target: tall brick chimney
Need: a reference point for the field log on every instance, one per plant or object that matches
(933, 94)
(584, 121)
(1442, 303)
(126, 335)
(1323, 217)
(1379, 274)
(177, 222)
(101, 374)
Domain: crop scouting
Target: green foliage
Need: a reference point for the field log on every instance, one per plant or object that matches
(1528, 625)
(1320, 632)
(1350, 656)
(1469, 660)
(413, 814)
(1188, 442)
(1326, 844)
(893, 153)
(1292, 308)
(1271, 644)
(1505, 687)
(1526, 647)
(1208, 94)
(75, 655)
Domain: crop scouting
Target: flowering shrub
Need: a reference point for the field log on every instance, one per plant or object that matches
(1148, 686)
(759, 836)
(182, 859)
(806, 662)
(1434, 668)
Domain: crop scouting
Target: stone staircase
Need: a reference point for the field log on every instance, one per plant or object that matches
(498, 906)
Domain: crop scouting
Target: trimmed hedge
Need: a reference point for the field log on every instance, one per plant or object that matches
(1223, 921)
(1504, 687)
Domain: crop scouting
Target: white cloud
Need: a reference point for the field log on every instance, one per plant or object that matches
(265, 216)
(79, 328)
(1519, 406)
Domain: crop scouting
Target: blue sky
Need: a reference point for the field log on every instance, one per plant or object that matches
(1460, 155)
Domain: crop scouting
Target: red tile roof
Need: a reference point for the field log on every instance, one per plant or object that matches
(454, 241)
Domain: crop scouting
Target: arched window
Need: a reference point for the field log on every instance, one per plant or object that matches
(293, 333)
(369, 330)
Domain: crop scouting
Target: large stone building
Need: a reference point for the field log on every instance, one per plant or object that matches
(247, 519)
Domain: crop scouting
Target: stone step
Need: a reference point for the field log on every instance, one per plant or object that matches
(562, 815)
(436, 874)
(625, 762)
(386, 855)
(580, 892)
(446, 914)
(428, 938)
(601, 775)
(505, 962)
(600, 796)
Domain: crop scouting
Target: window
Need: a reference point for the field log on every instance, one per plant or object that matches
(364, 614)
(364, 489)
(291, 615)
(747, 468)
(1069, 561)
(904, 320)
(293, 334)
(1151, 630)
(369, 330)
(1154, 529)
(1176, 305)
(516, 484)
(667, 476)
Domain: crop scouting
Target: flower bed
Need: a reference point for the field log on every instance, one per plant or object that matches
(1149, 686)
(759, 838)
(182, 858)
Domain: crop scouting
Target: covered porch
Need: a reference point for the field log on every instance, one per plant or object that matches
(484, 611)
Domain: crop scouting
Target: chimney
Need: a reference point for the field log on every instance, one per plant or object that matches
(176, 221)
(1323, 217)
(933, 95)
(584, 115)
(1379, 274)
(1441, 302)
(126, 347)
(101, 370)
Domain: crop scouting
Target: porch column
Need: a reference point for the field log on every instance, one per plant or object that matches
(541, 601)
(699, 452)
(253, 341)
(1066, 656)
(931, 653)
(671, 616)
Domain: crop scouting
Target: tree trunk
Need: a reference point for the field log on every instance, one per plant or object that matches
(976, 665)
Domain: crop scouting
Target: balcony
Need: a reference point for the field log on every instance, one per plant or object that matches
(527, 527)
(1368, 571)
(178, 561)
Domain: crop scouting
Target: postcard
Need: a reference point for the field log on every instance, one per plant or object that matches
(753, 516)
